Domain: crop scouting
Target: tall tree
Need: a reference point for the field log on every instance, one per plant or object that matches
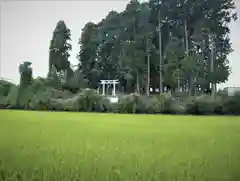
(25, 71)
(87, 56)
(60, 48)
(157, 11)
(130, 46)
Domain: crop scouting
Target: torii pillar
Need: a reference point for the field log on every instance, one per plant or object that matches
(114, 82)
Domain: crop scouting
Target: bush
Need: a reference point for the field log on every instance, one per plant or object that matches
(176, 108)
(59, 94)
(41, 100)
(204, 105)
(162, 103)
(132, 103)
(90, 101)
(135, 103)
(12, 96)
(3, 102)
(231, 105)
(5, 87)
(37, 96)
(61, 105)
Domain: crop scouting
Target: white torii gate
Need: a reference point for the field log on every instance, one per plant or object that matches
(114, 82)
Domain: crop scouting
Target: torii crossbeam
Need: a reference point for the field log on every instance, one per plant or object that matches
(114, 82)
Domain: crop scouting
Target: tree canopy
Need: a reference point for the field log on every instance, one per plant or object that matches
(172, 35)
(161, 45)
(59, 50)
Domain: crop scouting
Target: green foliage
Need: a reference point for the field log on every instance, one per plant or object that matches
(146, 45)
(60, 47)
(231, 105)
(12, 96)
(176, 108)
(5, 87)
(41, 100)
(162, 103)
(204, 105)
(55, 79)
(122, 44)
(90, 101)
(39, 97)
(135, 103)
(47, 146)
(61, 104)
(25, 71)
(76, 82)
(87, 55)
(85, 101)
(132, 103)
(3, 102)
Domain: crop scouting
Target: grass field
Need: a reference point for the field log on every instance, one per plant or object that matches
(107, 147)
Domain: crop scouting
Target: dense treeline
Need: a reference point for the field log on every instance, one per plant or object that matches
(173, 44)
(177, 46)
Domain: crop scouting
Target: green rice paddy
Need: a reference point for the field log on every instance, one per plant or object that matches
(57, 146)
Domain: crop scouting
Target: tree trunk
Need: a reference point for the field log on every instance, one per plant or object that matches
(160, 53)
(137, 86)
(178, 83)
(203, 58)
(212, 64)
(190, 86)
(148, 69)
(187, 54)
(49, 65)
(186, 37)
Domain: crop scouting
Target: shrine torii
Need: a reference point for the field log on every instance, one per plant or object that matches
(114, 82)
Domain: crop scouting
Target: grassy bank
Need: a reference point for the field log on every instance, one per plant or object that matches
(80, 146)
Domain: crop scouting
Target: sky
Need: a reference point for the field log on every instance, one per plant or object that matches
(26, 28)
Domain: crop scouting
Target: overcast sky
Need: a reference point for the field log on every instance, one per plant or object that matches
(27, 27)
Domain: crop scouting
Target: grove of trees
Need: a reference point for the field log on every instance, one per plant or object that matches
(165, 45)
(173, 44)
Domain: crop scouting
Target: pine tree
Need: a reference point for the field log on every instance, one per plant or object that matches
(60, 47)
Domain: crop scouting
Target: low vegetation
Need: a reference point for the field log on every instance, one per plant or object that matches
(179, 50)
(37, 96)
(105, 147)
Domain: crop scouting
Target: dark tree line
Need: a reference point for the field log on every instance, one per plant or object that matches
(160, 44)
(177, 45)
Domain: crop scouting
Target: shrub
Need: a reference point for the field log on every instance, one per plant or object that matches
(162, 103)
(12, 96)
(3, 102)
(90, 101)
(191, 105)
(135, 103)
(37, 96)
(125, 104)
(61, 94)
(177, 108)
(231, 105)
(132, 103)
(5, 87)
(41, 100)
(62, 104)
(204, 105)
(113, 107)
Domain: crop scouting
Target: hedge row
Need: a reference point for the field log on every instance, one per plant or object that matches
(206, 105)
(89, 101)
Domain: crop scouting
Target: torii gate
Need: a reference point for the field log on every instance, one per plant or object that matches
(114, 82)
